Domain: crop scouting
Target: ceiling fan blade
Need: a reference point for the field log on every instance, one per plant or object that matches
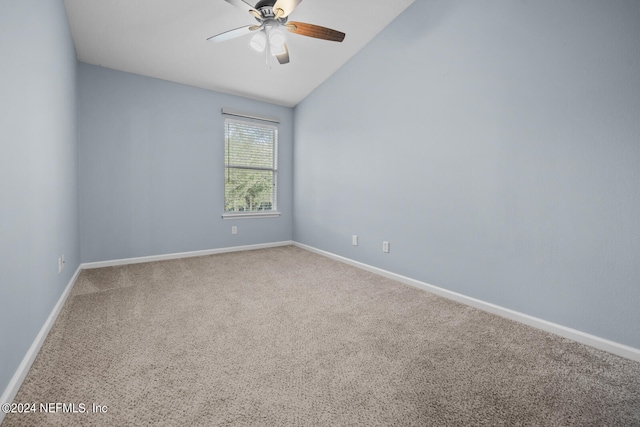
(283, 8)
(316, 31)
(283, 58)
(232, 34)
(245, 6)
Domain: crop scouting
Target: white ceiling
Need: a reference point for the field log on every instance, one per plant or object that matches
(167, 39)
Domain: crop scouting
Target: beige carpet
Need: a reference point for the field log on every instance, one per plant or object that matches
(284, 337)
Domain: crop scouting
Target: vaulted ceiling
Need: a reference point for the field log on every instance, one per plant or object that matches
(167, 39)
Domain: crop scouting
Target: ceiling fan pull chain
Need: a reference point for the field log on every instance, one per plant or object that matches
(267, 30)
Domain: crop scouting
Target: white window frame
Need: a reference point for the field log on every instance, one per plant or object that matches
(252, 214)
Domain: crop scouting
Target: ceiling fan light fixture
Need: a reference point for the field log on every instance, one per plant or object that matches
(276, 38)
(259, 41)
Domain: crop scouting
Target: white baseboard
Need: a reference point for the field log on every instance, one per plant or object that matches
(18, 377)
(178, 255)
(563, 331)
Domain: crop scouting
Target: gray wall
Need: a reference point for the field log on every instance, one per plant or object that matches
(152, 168)
(38, 171)
(496, 145)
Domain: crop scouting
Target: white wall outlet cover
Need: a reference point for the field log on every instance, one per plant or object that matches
(234, 229)
(354, 240)
(385, 246)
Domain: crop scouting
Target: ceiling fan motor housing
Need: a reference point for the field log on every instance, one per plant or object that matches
(265, 7)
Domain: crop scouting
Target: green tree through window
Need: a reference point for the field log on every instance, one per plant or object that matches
(250, 166)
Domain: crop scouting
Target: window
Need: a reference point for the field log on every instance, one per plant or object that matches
(251, 169)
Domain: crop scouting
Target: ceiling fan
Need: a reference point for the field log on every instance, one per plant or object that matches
(272, 16)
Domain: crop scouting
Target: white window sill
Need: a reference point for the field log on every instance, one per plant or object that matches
(246, 215)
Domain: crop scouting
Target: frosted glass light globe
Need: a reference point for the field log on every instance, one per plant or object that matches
(259, 41)
(276, 37)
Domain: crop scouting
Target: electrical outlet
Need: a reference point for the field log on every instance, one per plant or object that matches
(234, 229)
(60, 264)
(354, 240)
(385, 247)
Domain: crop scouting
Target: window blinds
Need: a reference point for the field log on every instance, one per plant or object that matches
(250, 166)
